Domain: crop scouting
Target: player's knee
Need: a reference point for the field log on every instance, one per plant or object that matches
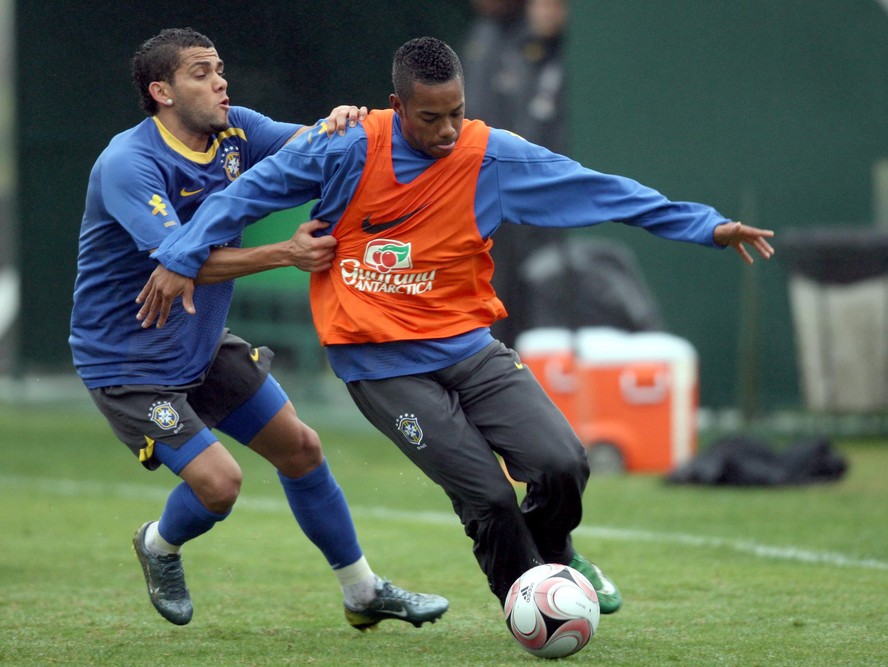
(563, 468)
(302, 453)
(500, 500)
(566, 463)
(219, 492)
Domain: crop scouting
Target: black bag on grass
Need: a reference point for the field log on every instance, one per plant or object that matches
(741, 461)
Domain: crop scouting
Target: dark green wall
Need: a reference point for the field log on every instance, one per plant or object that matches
(773, 112)
(293, 60)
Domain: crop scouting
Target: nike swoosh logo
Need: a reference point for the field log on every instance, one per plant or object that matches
(375, 228)
(519, 365)
(400, 613)
(254, 354)
(187, 193)
(607, 588)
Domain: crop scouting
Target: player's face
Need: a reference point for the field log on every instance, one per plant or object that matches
(432, 119)
(200, 92)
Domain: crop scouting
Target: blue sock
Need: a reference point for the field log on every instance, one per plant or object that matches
(320, 509)
(185, 517)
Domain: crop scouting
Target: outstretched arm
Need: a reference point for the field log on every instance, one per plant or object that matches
(735, 234)
(304, 251)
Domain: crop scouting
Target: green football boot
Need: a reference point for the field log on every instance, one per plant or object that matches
(609, 598)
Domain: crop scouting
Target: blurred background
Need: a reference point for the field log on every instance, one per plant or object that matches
(774, 113)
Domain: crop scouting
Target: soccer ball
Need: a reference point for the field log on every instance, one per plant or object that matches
(552, 611)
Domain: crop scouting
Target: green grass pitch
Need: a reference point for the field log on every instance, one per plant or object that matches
(771, 577)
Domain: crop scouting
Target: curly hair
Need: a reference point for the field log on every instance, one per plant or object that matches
(425, 60)
(158, 58)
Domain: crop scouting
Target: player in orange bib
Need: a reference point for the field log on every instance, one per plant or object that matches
(413, 198)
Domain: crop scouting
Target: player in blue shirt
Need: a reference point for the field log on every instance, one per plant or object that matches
(162, 390)
(467, 395)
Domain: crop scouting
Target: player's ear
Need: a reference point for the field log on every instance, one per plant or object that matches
(397, 105)
(160, 93)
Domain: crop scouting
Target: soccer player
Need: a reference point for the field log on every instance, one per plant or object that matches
(162, 390)
(413, 198)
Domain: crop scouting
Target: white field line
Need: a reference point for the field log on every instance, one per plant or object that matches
(264, 504)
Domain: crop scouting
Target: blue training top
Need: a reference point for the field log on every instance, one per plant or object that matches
(145, 185)
(519, 183)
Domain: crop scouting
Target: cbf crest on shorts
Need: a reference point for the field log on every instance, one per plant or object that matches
(409, 427)
(164, 415)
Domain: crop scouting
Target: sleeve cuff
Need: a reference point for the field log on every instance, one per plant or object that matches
(182, 266)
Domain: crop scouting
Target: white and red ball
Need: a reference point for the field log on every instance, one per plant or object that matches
(552, 611)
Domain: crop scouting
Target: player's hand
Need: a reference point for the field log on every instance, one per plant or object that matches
(735, 234)
(344, 116)
(309, 252)
(158, 294)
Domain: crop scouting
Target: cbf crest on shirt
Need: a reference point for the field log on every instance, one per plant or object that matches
(146, 184)
(196, 175)
(231, 162)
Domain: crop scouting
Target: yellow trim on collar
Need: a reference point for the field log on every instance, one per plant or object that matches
(201, 158)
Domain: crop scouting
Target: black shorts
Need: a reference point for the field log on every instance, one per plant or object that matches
(142, 416)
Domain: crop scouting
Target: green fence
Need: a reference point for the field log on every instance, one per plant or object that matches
(272, 308)
(772, 111)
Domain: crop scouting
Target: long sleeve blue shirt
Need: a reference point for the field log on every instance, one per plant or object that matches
(519, 182)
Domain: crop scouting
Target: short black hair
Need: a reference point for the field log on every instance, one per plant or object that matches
(426, 60)
(158, 58)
